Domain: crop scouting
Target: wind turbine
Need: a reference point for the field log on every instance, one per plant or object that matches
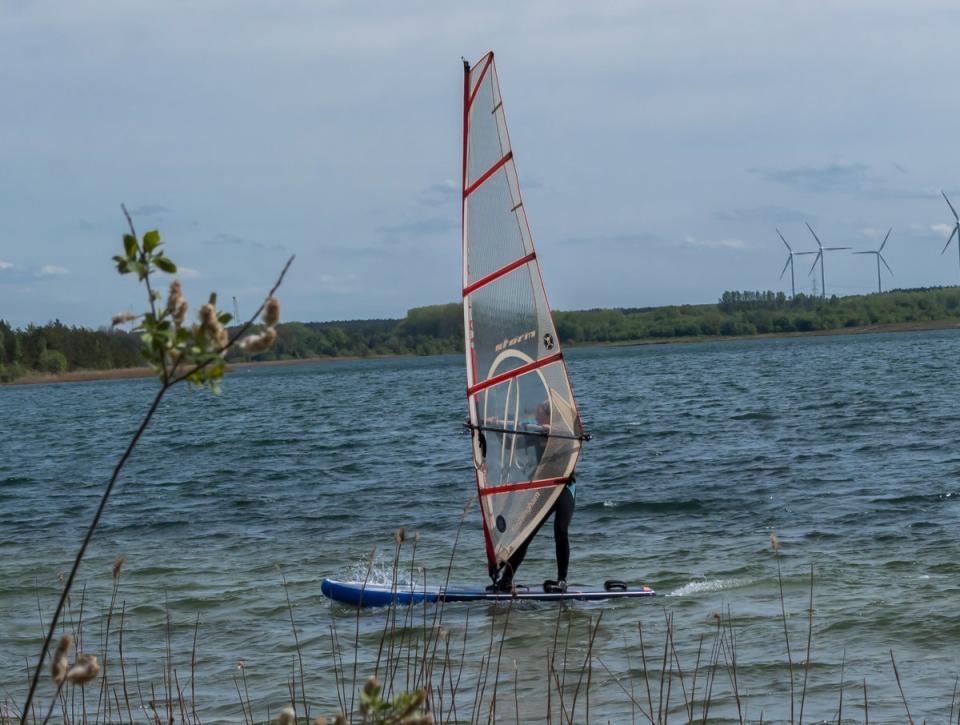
(956, 227)
(789, 263)
(793, 286)
(819, 258)
(881, 259)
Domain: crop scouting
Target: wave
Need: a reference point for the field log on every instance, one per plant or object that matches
(754, 415)
(918, 498)
(660, 507)
(709, 586)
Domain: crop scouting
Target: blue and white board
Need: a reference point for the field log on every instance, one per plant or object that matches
(373, 595)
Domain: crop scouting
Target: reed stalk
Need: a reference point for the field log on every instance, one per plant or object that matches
(806, 662)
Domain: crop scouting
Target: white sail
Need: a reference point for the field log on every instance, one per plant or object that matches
(526, 430)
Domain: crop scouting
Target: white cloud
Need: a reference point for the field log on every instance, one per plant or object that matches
(49, 270)
(187, 272)
(5, 265)
(717, 243)
(943, 230)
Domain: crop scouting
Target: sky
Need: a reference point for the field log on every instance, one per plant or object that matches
(660, 145)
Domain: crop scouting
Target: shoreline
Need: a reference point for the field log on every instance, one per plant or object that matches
(77, 376)
(920, 326)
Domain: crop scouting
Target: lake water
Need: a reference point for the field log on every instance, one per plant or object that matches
(846, 447)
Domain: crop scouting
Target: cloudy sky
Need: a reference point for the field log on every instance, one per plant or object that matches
(659, 146)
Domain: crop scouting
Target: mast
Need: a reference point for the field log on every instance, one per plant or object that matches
(467, 329)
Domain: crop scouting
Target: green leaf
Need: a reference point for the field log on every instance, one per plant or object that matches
(151, 240)
(130, 245)
(165, 265)
(137, 267)
(225, 318)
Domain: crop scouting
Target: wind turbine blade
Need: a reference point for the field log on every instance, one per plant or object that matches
(815, 260)
(880, 257)
(952, 235)
(814, 235)
(784, 240)
(885, 239)
(866, 252)
(784, 270)
(835, 249)
(951, 207)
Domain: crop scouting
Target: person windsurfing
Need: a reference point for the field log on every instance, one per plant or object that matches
(538, 435)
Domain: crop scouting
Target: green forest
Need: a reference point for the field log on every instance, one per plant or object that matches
(438, 329)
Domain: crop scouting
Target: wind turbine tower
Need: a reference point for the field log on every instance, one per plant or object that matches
(819, 258)
(880, 258)
(956, 227)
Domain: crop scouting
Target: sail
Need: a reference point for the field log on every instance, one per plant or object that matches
(526, 430)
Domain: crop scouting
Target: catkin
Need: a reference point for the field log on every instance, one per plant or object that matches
(122, 318)
(60, 661)
(84, 669)
(259, 343)
(271, 312)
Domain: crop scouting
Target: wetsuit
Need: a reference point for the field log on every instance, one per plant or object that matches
(562, 515)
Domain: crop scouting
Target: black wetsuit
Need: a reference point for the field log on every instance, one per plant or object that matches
(562, 515)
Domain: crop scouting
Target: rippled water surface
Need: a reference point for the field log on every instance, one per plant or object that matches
(846, 447)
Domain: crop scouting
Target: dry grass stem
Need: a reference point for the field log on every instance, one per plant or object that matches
(903, 697)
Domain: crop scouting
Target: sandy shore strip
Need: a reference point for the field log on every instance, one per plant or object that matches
(74, 376)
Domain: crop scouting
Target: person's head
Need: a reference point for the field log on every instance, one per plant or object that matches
(543, 413)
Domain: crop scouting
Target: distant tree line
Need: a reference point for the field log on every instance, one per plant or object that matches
(753, 313)
(56, 348)
(438, 329)
(433, 330)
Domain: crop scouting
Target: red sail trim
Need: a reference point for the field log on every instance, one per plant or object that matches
(466, 116)
(516, 372)
(487, 174)
(483, 281)
(524, 486)
(476, 88)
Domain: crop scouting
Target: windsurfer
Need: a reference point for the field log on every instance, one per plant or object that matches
(562, 513)
(562, 510)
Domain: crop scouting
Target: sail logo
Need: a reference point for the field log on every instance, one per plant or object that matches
(511, 341)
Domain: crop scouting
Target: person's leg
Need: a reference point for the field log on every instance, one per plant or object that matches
(562, 515)
(513, 563)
